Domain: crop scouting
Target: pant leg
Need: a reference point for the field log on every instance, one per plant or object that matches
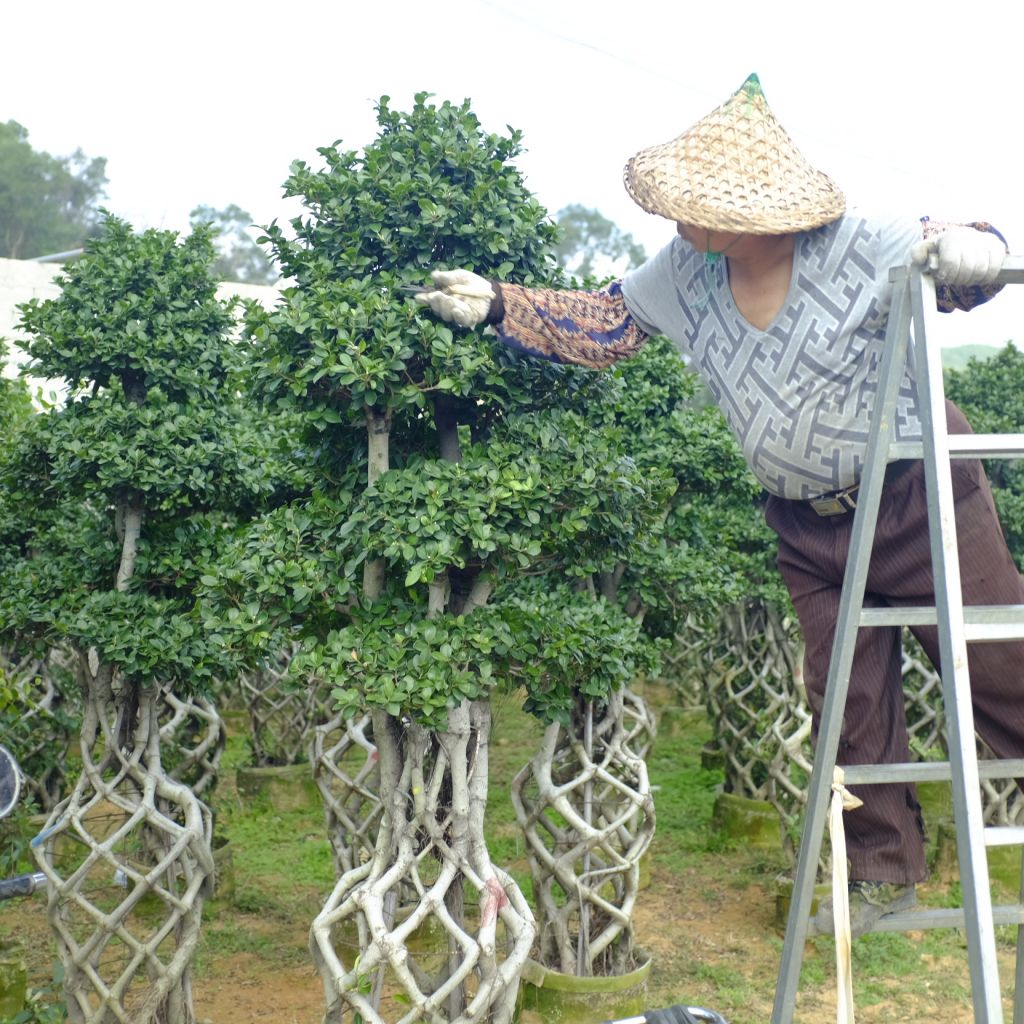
(884, 837)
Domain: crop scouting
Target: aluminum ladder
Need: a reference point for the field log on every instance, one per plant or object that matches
(914, 307)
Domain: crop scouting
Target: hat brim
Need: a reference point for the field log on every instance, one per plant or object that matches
(735, 170)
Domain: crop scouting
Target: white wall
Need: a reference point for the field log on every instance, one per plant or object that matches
(21, 280)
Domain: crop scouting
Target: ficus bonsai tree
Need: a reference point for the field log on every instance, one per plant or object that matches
(447, 469)
(585, 801)
(110, 504)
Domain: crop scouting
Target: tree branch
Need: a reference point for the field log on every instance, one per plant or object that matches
(130, 518)
(378, 428)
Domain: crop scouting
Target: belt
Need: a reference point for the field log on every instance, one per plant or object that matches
(837, 503)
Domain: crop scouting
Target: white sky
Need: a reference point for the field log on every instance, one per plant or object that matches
(911, 106)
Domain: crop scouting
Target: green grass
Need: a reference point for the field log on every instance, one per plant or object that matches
(707, 915)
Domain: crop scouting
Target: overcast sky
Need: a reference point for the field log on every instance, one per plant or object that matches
(912, 107)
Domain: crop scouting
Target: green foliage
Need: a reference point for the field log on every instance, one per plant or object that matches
(138, 310)
(44, 1004)
(239, 257)
(15, 399)
(506, 477)
(990, 393)
(571, 646)
(154, 425)
(433, 190)
(713, 546)
(47, 203)
(546, 492)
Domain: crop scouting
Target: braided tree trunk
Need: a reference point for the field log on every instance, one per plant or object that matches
(347, 772)
(282, 715)
(192, 732)
(758, 703)
(429, 845)
(128, 857)
(584, 803)
(50, 718)
(1001, 799)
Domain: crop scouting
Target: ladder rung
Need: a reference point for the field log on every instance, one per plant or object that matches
(982, 622)
(928, 771)
(1004, 835)
(966, 446)
(951, 917)
(941, 917)
(999, 446)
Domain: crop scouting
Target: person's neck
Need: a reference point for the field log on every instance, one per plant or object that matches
(759, 277)
(759, 254)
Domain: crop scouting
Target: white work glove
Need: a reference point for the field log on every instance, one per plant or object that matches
(460, 297)
(963, 256)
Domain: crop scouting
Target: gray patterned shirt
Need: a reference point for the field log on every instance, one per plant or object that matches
(798, 394)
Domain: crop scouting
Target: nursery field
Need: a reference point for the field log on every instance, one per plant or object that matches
(707, 917)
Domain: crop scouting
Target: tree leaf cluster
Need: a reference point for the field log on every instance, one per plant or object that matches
(990, 393)
(154, 426)
(581, 501)
(433, 190)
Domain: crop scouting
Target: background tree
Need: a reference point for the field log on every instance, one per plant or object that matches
(239, 256)
(991, 394)
(48, 204)
(591, 246)
(15, 399)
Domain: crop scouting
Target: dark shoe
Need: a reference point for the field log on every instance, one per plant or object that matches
(868, 902)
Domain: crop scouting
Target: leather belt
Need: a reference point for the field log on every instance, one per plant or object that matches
(838, 503)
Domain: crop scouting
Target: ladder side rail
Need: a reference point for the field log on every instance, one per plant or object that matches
(1018, 971)
(844, 642)
(967, 809)
(1013, 273)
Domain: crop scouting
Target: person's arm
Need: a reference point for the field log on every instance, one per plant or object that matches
(593, 329)
(966, 273)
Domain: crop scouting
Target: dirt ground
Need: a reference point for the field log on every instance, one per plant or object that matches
(707, 918)
(723, 941)
(712, 943)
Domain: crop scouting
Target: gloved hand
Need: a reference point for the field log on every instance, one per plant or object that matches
(963, 255)
(460, 297)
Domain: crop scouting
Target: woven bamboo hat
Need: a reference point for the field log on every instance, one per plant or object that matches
(734, 170)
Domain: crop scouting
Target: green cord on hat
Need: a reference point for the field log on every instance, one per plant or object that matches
(751, 89)
(712, 261)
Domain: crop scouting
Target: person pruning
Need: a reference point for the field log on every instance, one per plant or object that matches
(778, 296)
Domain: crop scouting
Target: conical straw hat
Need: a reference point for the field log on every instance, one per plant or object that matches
(734, 170)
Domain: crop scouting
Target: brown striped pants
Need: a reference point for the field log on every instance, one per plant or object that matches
(885, 836)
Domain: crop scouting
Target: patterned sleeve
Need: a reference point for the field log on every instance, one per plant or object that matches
(592, 329)
(968, 296)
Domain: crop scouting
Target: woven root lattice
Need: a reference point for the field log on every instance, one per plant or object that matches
(428, 929)
(585, 806)
(128, 860)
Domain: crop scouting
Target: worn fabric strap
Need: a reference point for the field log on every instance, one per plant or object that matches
(842, 800)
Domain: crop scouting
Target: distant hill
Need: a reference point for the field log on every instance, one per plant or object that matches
(956, 357)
